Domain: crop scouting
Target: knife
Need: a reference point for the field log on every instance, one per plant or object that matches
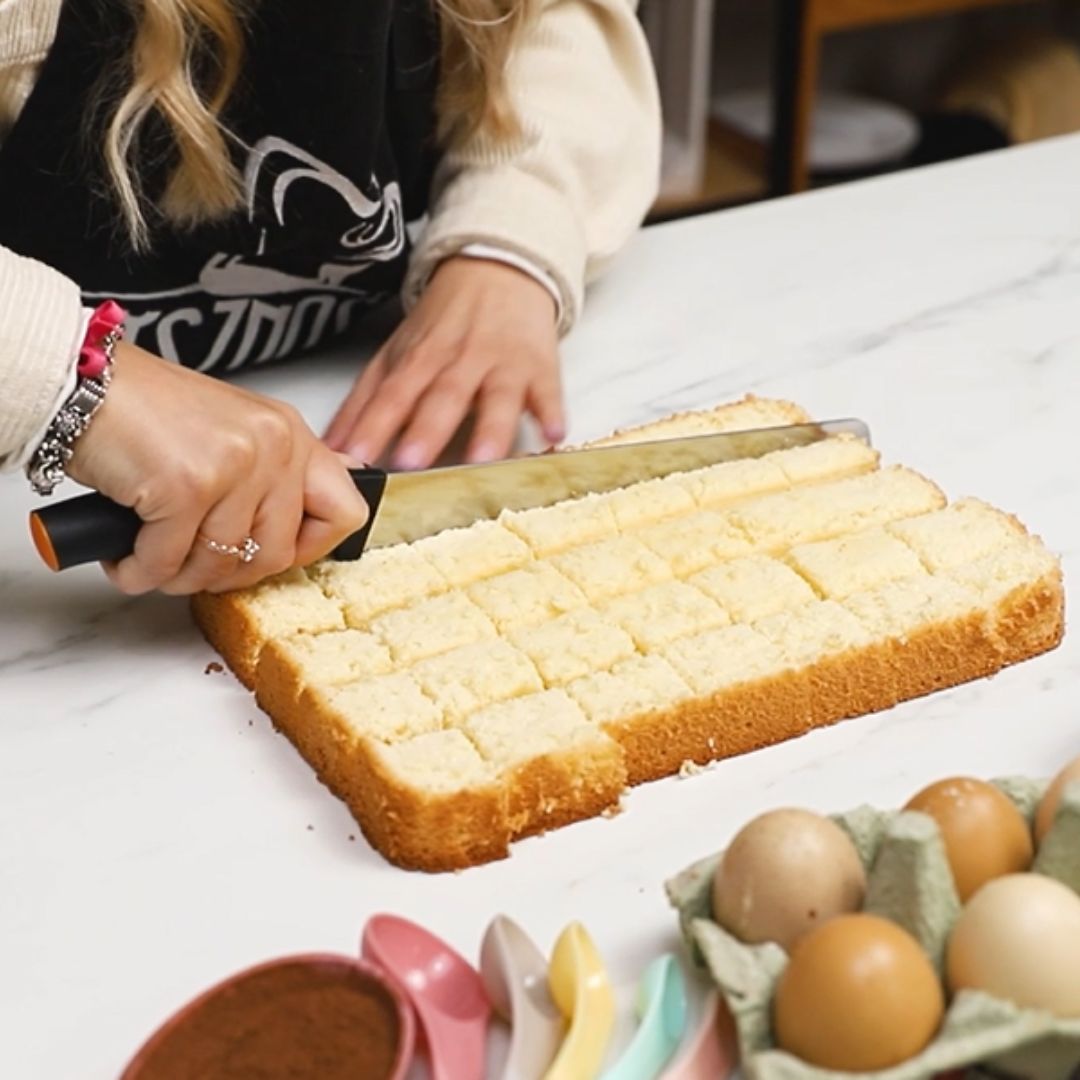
(407, 506)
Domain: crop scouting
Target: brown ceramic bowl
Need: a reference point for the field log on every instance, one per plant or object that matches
(317, 1016)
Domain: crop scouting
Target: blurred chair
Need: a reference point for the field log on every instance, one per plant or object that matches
(800, 27)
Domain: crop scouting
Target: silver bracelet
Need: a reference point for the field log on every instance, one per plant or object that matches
(47, 468)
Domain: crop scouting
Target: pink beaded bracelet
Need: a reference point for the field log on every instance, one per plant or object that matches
(102, 334)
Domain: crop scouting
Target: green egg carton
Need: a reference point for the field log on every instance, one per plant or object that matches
(908, 881)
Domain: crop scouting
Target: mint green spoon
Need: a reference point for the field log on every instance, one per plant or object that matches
(661, 1006)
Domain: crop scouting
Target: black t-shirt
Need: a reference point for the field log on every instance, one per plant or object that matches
(334, 121)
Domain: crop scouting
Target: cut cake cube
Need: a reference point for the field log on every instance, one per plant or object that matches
(855, 563)
(431, 802)
(723, 657)
(439, 763)
(466, 679)
(292, 604)
(830, 459)
(432, 626)
(692, 543)
(640, 703)
(480, 551)
(1025, 563)
(730, 481)
(1021, 585)
(548, 529)
(573, 645)
(633, 687)
(661, 613)
(612, 567)
(527, 596)
(378, 581)
(556, 765)
(332, 658)
(813, 631)
(961, 533)
(751, 588)
(239, 624)
(650, 501)
(389, 708)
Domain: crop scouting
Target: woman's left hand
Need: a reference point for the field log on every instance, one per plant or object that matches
(482, 338)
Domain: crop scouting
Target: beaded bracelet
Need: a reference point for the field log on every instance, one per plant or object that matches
(47, 467)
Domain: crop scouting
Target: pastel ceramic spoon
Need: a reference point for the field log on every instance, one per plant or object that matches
(581, 989)
(712, 1052)
(444, 989)
(515, 976)
(661, 1007)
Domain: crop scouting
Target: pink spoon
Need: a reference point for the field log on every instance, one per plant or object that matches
(712, 1053)
(444, 989)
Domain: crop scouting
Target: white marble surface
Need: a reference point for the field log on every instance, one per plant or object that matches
(155, 834)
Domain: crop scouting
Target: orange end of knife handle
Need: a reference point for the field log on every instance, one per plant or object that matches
(88, 528)
(43, 542)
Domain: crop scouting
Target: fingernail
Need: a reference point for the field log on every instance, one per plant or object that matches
(554, 434)
(357, 454)
(348, 460)
(408, 457)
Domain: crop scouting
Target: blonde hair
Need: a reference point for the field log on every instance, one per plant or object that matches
(185, 62)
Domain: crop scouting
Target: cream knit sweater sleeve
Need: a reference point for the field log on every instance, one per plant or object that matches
(40, 318)
(571, 192)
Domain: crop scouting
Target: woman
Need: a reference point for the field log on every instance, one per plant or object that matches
(240, 181)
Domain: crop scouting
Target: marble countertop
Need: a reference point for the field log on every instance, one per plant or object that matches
(156, 835)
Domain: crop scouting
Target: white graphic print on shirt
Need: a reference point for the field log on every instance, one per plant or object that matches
(266, 309)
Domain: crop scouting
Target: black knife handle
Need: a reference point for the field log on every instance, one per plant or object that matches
(93, 528)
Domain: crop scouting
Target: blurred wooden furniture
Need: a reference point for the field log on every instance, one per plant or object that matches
(680, 35)
(800, 27)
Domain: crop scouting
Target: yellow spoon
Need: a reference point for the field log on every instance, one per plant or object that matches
(582, 992)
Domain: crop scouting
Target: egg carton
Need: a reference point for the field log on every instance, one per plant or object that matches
(908, 881)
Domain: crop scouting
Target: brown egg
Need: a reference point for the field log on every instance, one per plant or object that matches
(1048, 807)
(784, 873)
(985, 835)
(1019, 940)
(859, 994)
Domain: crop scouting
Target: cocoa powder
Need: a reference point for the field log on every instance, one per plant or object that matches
(306, 1021)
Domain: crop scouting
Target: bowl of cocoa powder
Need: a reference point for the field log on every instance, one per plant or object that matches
(309, 1017)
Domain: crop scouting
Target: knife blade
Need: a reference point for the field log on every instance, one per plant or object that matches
(408, 506)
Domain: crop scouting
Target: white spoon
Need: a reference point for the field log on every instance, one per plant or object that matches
(515, 976)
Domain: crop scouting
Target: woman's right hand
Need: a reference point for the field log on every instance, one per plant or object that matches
(199, 459)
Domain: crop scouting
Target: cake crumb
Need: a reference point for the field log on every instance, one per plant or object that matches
(213, 668)
(612, 811)
(352, 839)
(691, 768)
(311, 828)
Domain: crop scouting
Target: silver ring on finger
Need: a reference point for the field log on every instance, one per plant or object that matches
(245, 551)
